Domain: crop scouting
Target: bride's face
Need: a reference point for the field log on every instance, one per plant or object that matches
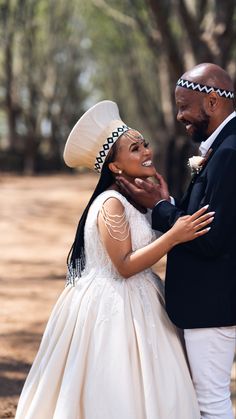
(133, 157)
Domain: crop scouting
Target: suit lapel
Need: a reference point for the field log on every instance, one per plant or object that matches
(225, 132)
(187, 194)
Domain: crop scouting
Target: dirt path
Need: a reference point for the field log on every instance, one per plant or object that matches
(37, 226)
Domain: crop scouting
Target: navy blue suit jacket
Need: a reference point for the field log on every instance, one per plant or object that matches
(201, 274)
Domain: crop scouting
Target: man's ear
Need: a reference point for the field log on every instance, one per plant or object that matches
(213, 101)
(114, 168)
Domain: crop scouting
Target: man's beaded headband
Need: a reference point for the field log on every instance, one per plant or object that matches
(101, 157)
(204, 89)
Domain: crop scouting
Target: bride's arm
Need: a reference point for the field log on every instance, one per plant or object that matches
(115, 235)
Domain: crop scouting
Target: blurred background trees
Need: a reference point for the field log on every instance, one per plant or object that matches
(58, 58)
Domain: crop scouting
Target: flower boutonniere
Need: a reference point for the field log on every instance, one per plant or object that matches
(196, 163)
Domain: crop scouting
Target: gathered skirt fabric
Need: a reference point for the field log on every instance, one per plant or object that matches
(109, 351)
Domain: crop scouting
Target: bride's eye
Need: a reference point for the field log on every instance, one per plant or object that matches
(146, 144)
(135, 148)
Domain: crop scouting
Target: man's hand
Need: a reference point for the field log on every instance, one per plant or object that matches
(145, 192)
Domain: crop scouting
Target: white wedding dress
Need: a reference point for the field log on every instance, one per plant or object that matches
(109, 350)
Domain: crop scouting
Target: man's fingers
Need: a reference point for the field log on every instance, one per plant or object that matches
(126, 186)
(123, 188)
(159, 178)
(163, 186)
(147, 185)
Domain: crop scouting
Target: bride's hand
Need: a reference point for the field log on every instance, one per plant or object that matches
(190, 227)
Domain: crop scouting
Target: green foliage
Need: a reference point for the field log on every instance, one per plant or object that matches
(41, 65)
(57, 58)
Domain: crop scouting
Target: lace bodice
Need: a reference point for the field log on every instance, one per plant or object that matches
(140, 229)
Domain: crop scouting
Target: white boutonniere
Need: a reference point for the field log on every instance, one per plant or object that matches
(196, 163)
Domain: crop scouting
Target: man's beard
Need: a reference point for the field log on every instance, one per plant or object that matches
(200, 128)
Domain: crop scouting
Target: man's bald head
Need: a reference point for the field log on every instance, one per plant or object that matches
(204, 98)
(211, 75)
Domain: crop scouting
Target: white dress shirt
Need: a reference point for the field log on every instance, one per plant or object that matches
(206, 145)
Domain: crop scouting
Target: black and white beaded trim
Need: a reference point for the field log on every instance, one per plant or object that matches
(101, 157)
(205, 89)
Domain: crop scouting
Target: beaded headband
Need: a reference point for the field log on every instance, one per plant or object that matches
(101, 157)
(204, 89)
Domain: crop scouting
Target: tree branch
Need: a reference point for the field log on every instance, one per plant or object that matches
(115, 14)
(171, 48)
(191, 25)
(152, 35)
(224, 28)
(201, 10)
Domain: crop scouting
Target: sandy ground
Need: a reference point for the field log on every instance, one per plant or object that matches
(37, 226)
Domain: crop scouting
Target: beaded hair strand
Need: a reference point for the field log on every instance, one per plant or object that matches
(76, 259)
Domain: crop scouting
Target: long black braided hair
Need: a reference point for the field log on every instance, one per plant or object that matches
(76, 257)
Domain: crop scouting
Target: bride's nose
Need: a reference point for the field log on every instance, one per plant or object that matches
(146, 151)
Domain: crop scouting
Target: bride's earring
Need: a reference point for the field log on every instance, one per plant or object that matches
(119, 172)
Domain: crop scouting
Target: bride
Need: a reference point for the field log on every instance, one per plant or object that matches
(109, 350)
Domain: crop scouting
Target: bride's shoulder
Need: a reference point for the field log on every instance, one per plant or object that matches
(111, 196)
(109, 199)
(113, 203)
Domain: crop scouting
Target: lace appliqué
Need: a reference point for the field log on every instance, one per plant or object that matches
(116, 225)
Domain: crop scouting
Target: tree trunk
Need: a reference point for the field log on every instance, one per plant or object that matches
(9, 103)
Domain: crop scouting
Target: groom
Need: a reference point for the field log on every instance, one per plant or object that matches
(201, 275)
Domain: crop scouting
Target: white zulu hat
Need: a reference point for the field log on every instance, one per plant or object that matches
(93, 136)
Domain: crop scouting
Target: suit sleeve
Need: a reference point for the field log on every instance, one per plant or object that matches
(221, 195)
